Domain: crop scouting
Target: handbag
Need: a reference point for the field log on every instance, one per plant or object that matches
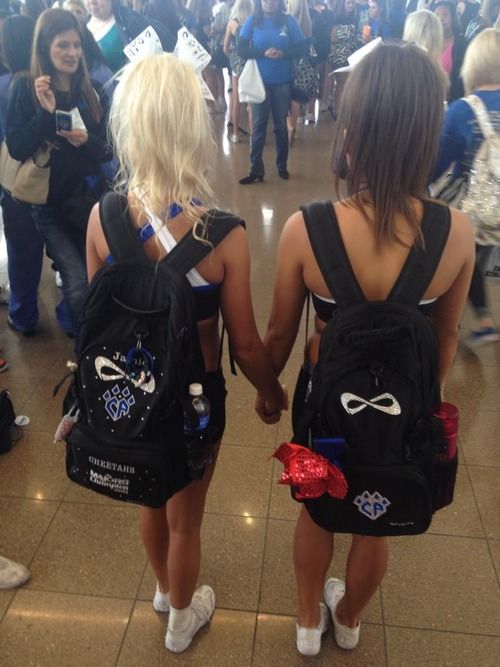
(250, 84)
(26, 181)
(305, 81)
(31, 184)
(8, 168)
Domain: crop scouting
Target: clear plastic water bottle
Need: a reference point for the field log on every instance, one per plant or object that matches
(196, 433)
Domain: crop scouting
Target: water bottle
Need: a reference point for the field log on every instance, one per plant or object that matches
(196, 434)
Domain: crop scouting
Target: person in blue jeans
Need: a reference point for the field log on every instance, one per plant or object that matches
(274, 40)
(59, 80)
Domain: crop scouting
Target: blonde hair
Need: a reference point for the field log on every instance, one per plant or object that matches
(241, 10)
(300, 12)
(481, 64)
(79, 3)
(162, 135)
(424, 29)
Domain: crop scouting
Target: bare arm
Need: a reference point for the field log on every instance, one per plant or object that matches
(237, 311)
(228, 36)
(449, 308)
(94, 235)
(289, 293)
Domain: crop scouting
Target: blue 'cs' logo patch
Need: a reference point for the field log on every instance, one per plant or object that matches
(118, 402)
(372, 505)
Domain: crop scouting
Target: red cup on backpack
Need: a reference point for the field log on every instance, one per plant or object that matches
(448, 416)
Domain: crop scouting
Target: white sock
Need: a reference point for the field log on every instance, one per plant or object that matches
(180, 619)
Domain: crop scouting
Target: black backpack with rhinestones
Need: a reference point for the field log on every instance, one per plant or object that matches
(137, 352)
(370, 401)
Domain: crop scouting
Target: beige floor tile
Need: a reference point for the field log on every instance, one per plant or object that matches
(495, 553)
(91, 550)
(479, 438)
(23, 526)
(278, 595)
(48, 629)
(241, 483)
(243, 427)
(232, 556)
(226, 641)
(487, 355)
(275, 644)
(231, 562)
(20, 389)
(441, 583)
(34, 468)
(473, 387)
(462, 516)
(5, 600)
(44, 411)
(487, 491)
(424, 648)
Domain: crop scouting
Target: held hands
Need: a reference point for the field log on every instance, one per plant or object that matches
(76, 137)
(274, 54)
(270, 412)
(44, 94)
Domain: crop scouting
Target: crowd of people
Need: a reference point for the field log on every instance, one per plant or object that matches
(60, 62)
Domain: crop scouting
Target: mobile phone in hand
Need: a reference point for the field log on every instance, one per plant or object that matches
(64, 121)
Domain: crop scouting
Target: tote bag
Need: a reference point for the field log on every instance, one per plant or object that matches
(31, 184)
(8, 168)
(26, 181)
(250, 84)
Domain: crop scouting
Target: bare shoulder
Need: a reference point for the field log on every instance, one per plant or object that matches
(94, 230)
(461, 232)
(294, 230)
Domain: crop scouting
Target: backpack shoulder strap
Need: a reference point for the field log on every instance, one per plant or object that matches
(190, 251)
(482, 116)
(330, 253)
(422, 262)
(118, 229)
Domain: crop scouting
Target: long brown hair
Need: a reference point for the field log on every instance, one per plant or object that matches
(51, 23)
(388, 131)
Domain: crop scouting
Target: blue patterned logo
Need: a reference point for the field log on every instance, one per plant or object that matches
(372, 505)
(118, 403)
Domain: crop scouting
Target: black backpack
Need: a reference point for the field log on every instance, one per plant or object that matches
(137, 352)
(373, 390)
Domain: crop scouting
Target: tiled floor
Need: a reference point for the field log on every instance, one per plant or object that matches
(88, 601)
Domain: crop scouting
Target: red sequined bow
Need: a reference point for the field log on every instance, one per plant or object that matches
(311, 473)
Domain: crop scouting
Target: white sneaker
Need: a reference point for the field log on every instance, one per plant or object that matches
(161, 601)
(183, 624)
(234, 138)
(345, 637)
(12, 574)
(309, 639)
(58, 280)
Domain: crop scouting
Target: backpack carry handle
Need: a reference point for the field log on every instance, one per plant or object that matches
(138, 311)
